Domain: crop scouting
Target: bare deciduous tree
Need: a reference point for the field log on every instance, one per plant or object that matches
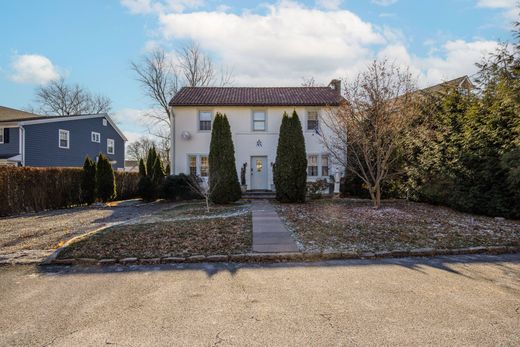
(138, 149)
(367, 128)
(60, 99)
(161, 77)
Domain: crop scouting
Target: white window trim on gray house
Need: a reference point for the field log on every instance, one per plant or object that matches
(95, 137)
(111, 146)
(2, 135)
(67, 138)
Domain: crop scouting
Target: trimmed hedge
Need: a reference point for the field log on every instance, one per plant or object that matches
(27, 189)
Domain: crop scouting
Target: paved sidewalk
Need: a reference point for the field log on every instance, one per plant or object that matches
(269, 232)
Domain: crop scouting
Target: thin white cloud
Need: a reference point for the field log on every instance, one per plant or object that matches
(454, 59)
(510, 7)
(384, 2)
(150, 6)
(33, 69)
(329, 4)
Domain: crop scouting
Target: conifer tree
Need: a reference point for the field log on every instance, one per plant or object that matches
(88, 181)
(105, 179)
(223, 179)
(290, 174)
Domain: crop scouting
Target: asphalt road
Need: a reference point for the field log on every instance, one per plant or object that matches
(464, 300)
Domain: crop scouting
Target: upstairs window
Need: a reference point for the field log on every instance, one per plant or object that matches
(2, 138)
(259, 120)
(312, 120)
(105, 123)
(110, 146)
(205, 121)
(95, 137)
(64, 139)
(312, 165)
(324, 165)
(204, 166)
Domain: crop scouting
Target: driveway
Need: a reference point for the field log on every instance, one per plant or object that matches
(457, 301)
(31, 237)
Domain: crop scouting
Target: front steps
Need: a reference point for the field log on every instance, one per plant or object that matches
(259, 194)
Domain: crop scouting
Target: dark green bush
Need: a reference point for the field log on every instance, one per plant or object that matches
(180, 187)
(88, 182)
(105, 179)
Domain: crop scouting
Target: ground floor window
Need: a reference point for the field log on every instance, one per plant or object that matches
(198, 165)
(318, 165)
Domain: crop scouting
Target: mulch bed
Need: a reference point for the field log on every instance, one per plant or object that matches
(354, 225)
(182, 237)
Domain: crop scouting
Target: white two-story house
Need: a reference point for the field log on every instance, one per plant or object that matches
(255, 116)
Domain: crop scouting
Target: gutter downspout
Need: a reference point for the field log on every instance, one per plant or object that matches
(172, 142)
(22, 143)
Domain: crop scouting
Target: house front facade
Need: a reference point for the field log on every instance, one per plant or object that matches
(64, 141)
(255, 116)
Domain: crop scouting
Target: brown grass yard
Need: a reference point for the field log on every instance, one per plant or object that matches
(353, 225)
(182, 231)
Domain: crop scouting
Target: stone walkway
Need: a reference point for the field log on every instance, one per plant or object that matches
(269, 232)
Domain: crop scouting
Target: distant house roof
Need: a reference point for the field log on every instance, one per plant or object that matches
(461, 82)
(256, 96)
(8, 114)
(36, 119)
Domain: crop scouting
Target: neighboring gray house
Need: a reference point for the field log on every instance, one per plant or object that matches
(65, 141)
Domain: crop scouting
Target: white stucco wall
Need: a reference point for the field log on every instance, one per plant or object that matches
(244, 138)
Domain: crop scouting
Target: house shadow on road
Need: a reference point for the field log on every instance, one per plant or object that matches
(444, 263)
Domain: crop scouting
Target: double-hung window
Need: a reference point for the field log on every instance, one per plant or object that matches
(312, 120)
(192, 161)
(95, 137)
(2, 135)
(63, 139)
(205, 120)
(204, 166)
(324, 164)
(110, 146)
(312, 165)
(259, 121)
(198, 165)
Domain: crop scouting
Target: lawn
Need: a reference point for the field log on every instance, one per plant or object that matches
(184, 230)
(353, 225)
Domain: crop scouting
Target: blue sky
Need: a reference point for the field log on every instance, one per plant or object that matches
(92, 42)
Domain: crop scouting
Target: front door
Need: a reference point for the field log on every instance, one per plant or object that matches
(259, 173)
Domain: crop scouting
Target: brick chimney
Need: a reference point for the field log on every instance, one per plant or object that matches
(336, 85)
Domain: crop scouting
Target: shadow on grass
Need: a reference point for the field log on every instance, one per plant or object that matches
(412, 263)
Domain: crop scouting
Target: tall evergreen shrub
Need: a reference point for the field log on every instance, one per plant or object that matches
(105, 179)
(88, 181)
(290, 173)
(223, 179)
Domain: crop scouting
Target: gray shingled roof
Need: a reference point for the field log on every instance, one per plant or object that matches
(256, 96)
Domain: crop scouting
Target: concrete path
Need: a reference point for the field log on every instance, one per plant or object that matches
(443, 301)
(269, 232)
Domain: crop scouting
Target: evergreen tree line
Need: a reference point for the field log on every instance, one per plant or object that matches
(98, 180)
(465, 152)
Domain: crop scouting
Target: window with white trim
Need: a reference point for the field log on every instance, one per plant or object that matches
(95, 137)
(110, 146)
(205, 120)
(198, 165)
(324, 164)
(105, 123)
(204, 166)
(2, 135)
(312, 120)
(259, 121)
(312, 165)
(64, 139)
